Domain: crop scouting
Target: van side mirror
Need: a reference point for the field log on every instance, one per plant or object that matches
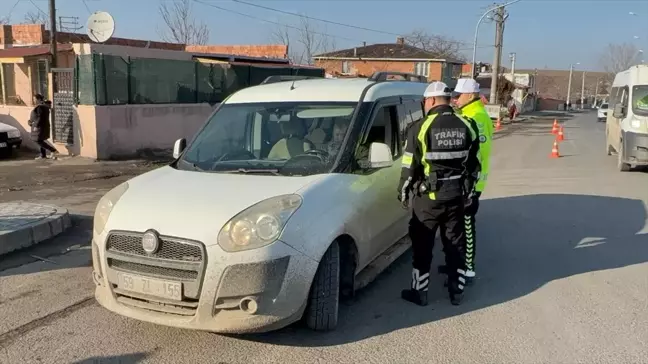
(380, 156)
(619, 111)
(179, 147)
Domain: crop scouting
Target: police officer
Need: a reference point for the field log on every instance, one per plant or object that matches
(471, 106)
(440, 158)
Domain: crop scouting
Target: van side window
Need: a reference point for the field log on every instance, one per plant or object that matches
(408, 112)
(624, 98)
(384, 129)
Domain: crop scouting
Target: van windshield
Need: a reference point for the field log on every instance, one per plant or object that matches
(604, 106)
(280, 138)
(640, 100)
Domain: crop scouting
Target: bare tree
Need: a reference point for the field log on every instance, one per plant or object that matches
(4, 20)
(36, 18)
(304, 42)
(619, 57)
(441, 46)
(180, 26)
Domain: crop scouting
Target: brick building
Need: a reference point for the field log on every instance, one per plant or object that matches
(398, 57)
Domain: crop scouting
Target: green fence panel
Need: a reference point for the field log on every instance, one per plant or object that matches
(113, 80)
(211, 83)
(86, 80)
(237, 77)
(116, 83)
(313, 72)
(259, 74)
(162, 81)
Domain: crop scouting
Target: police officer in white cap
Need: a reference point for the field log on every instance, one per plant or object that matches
(440, 159)
(470, 106)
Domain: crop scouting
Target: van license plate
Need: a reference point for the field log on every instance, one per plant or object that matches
(152, 287)
(3, 145)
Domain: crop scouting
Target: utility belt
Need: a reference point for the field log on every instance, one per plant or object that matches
(434, 183)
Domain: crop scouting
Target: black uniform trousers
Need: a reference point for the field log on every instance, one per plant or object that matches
(428, 215)
(471, 236)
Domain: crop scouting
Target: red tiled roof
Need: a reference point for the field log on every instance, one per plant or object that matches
(31, 51)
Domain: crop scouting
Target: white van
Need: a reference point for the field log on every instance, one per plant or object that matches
(268, 215)
(627, 121)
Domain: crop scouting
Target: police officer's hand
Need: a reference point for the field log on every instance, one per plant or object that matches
(471, 204)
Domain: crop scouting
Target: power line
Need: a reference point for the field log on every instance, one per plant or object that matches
(37, 7)
(86, 6)
(313, 18)
(270, 21)
(298, 28)
(8, 17)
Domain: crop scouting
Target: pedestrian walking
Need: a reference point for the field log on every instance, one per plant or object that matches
(440, 159)
(39, 121)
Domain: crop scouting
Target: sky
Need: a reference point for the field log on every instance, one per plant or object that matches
(543, 33)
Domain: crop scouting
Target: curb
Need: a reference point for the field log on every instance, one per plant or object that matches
(34, 232)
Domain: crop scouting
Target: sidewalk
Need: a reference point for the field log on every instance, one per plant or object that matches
(41, 199)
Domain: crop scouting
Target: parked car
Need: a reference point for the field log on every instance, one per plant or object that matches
(261, 220)
(602, 112)
(9, 138)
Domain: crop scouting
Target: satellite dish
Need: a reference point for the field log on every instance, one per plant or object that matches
(100, 27)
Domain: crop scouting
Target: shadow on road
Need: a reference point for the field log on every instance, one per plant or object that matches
(524, 243)
(119, 359)
(78, 236)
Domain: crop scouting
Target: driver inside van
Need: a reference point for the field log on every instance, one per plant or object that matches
(293, 142)
(337, 137)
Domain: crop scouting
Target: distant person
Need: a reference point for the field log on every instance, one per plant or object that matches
(39, 121)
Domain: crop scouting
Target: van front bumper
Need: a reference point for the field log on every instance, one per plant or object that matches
(635, 148)
(252, 291)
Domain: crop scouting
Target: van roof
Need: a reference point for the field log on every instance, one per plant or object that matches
(318, 90)
(635, 75)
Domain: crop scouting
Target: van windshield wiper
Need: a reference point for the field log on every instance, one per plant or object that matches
(251, 171)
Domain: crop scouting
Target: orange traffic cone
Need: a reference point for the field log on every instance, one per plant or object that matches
(554, 150)
(554, 128)
(498, 124)
(561, 135)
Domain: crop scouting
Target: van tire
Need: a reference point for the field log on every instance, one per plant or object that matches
(324, 297)
(623, 167)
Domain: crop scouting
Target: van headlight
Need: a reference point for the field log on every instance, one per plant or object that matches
(259, 224)
(635, 123)
(106, 205)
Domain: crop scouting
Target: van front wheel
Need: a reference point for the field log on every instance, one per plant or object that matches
(324, 297)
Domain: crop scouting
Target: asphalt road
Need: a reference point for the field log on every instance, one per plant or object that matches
(562, 278)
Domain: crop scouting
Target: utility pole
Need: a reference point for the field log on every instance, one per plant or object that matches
(571, 71)
(598, 81)
(53, 48)
(499, 17)
(583, 92)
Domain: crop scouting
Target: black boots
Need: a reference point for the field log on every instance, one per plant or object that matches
(416, 297)
(456, 298)
(418, 293)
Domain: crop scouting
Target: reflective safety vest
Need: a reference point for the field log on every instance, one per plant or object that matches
(476, 111)
(431, 156)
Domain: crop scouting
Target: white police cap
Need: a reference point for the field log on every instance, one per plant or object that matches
(466, 86)
(437, 89)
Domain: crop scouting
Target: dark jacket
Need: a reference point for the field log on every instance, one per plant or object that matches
(39, 120)
(455, 165)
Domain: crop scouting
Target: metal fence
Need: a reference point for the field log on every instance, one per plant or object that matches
(114, 80)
